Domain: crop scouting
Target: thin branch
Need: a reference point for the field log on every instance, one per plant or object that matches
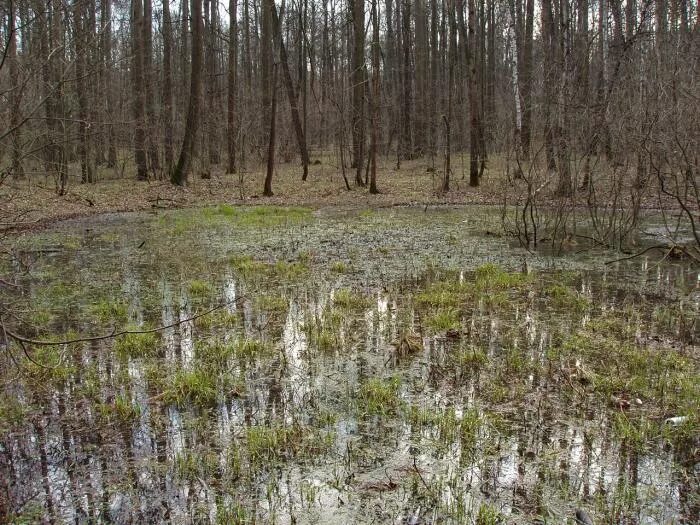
(114, 334)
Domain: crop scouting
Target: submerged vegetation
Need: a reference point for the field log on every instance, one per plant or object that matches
(331, 382)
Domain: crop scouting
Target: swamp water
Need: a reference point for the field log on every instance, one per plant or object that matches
(396, 366)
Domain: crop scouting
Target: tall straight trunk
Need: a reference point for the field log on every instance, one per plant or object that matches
(55, 97)
(566, 186)
(450, 41)
(358, 88)
(266, 61)
(212, 105)
(15, 94)
(81, 62)
(106, 37)
(184, 50)
(138, 90)
(148, 81)
(167, 108)
(549, 45)
(407, 82)
(421, 48)
(490, 109)
(179, 176)
(375, 97)
(603, 126)
(291, 94)
(267, 190)
(474, 150)
(434, 75)
(231, 129)
(526, 78)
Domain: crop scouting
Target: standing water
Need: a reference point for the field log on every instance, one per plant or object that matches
(396, 366)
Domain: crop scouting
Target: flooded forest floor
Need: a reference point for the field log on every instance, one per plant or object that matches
(290, 365)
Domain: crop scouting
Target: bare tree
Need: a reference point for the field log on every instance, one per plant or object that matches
(184, 163)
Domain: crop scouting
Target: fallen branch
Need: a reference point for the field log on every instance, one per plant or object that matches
(114, 333)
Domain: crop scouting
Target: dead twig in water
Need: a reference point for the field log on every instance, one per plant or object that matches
(115, 333)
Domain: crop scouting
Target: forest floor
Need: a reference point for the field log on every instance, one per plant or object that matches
(34, 202)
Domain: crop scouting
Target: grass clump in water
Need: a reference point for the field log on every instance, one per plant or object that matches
(197, 387)
(488, 515)
(220, 318)
(289, 271)
(277, 443)
(564, 297)
(247, 266)
(490, 276)
(350, 299)
(443, 294)
(251, 348)
(114, 312)
(339, 267)
(380, 396)
(443, 319)
(200, 289)
(122, 411)
(470, 358)
(137, 345)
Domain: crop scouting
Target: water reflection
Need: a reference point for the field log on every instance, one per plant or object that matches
(106, 445)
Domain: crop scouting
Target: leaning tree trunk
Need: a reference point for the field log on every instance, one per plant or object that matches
(184, 163)
(291, 95)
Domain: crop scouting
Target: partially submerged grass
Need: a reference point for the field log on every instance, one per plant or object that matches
(380, 396)
(350, 299)
(135, 345)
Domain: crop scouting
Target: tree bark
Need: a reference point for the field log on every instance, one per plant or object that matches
(231, 128)
(267, 191)
(148, 81)
(167, 109)
(375, 97)
(138, 90)
(358, 88)
(474, 152)
(15, 94)
(291, 95)
(184, 163)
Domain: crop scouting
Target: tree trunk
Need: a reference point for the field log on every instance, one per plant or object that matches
(474, 152)
(138, 90)
(358, 88)
(106, 20)
(291, 95)
(407, 81)
(167, 109)
(267, 191)
(375, 97)
(15, 95)
(566, 186)
(148, 81)
(232, 82)
(549, 45)
(81, 63)
(181, 172)
(526, 78)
